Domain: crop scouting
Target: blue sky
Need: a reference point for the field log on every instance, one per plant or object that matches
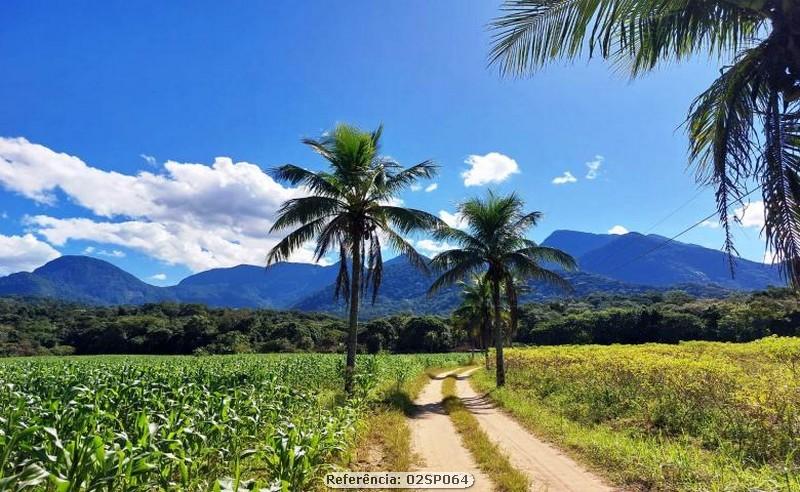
(114, 114)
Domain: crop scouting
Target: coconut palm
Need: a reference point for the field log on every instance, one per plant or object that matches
(351, 210)
(495, 244)
(756, 98)
(474, 314)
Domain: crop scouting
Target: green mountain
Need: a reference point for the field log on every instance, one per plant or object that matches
(628, 264)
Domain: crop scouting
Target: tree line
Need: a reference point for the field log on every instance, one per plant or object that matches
(46, 327)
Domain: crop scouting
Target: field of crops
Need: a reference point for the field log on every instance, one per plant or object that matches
(693, 416)
(184, 423)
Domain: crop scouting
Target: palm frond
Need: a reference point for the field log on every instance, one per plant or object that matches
(407, 220)
(781, 188)
(304, 210)
(639, 33)
(457, 272)
(722, 134)
(550, 255)
(406, 177)
(294, 240)
(319, 183)
(527, 268)
(405, 248)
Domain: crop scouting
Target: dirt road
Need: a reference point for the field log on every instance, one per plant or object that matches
(548, 468)
(436, 441)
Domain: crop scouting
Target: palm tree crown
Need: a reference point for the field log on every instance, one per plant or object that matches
(350, 210)
(744, 130)
(495, 243)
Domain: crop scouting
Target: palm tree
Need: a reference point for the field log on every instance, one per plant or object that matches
(350, 207)
(495, 244)
(756, 97)
(474, 314)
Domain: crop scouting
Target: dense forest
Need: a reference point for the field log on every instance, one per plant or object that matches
(42, 327)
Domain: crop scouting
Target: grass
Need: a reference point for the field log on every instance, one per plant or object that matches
(690, 417)
(489, 457)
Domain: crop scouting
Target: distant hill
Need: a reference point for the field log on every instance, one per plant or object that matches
(608, 263)
(404, 289)
(660, 263)
(83, 279)
(278, 286)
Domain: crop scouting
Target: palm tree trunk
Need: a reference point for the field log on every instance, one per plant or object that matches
(500, 373)
(352, 326)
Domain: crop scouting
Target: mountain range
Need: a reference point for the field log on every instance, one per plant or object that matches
(621, 264)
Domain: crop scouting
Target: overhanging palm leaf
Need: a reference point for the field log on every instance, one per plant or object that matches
(758, 95)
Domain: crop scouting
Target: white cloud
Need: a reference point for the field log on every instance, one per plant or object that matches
(114, 253)
(24, 253)
(201, 216)
(618, 230)
(158, 276)
(91, 250)
(709, 224)
(594, 166)
(455, 220)
(751, 215)
(493, 167)
(431, 187)
(415, 187)
(565, 178)
(431, 247)
(149, 159)
(769, 257)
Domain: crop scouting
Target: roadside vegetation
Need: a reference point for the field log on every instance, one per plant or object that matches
(693, 416)
(186, 423)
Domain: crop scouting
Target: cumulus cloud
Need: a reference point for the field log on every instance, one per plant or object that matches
(198, 215)
(493, 167)
(415, 187)
(593, 167)
(24, 253)
(430, 247)
(750, 215)
(709, 224)
(431, 187)
(455, 220)
(158, 276)
(618, 230)
(565, 178)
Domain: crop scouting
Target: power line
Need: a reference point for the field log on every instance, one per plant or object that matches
(659, 222)
(671, 239)
(681, 207)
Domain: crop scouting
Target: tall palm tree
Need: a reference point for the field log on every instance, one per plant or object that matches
(495, 244)
(350, 207)
(756, 98)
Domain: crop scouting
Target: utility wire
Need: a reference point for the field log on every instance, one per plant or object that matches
(659, 222)
(671, 239)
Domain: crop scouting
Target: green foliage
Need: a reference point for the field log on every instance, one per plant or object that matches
(667, 318)
(183, 423)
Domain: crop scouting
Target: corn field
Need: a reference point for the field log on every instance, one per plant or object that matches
(183, 423)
